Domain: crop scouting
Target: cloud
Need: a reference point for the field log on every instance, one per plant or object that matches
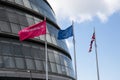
(84, 10)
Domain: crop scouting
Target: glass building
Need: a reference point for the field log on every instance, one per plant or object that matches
(26, 60)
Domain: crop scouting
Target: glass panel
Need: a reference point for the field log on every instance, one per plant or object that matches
(19, 2)
(35, 51)
(0, 48)
(27, 4)
(42, 53)
(30, 64)
(20, 63)
(42, 37)
(12, 0)
(26, 50)
(6, 49)
(53, 40)
(59, 69)
(53, 67)
(17, 49)
(57, 57)
(12, 17)
(15, 28)
(39, 65)
(22, 20)
(30, 21)
(48, 38)
(51, 56)
(67, 71)
(63, 70)
(34, 7)
(1, 62)
(5, 26)
(49, 66)
(3, 15)
(9, 62)
(62, 59)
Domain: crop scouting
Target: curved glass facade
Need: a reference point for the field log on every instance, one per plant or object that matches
(30, 54)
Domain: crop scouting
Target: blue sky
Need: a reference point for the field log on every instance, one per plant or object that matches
(104, 15)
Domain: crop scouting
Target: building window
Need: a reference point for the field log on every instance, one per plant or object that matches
(51, 56)
(20, 63)
(39, 65)
(6, 49)
(26, 50)
(53, 67)
(27, 4)
(1, 63)
(17, 49)
(15, 28)
(4, 26)
(8, 62)
(30, 64)
(59, 69)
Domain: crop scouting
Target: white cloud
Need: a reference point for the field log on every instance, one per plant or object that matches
(83, 10)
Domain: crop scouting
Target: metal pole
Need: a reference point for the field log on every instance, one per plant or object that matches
(74, 52)
(46, 61)
(97, 66)
(30, 74)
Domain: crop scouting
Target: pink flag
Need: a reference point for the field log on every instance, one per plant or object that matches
(33, 31)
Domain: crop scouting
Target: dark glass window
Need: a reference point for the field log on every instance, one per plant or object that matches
(34, 7)
(36, 51)
(0, 48)
(20, 63)
(12, 0)
(8, 62)
(22, 19)
(19, 2)
(51, 56)
(27, 4)
(15, 28)
(30, 64)
(12, 17)
(63, 70)
(49, 66)
(6, 48)
(39, 65)
(1, 62)
(59, 69)
(3, 15)
(26, 50)
(30, 21)
(4, 26)
(53, 67)
(42, 52)
(57, 57)
(17, 49)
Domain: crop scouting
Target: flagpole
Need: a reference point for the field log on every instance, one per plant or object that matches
(74, 52)
(97, 66)
(46, 59)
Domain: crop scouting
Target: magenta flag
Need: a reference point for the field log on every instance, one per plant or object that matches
(33, 31)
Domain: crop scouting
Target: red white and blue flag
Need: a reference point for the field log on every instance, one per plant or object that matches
(93, 39)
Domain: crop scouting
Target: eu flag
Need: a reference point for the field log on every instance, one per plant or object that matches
(63, 34)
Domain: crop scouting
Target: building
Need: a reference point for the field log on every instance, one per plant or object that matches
(26, 60)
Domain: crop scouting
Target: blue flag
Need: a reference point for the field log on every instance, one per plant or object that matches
(63, 34)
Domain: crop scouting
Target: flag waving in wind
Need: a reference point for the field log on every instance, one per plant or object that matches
(33, 31)
(93, 39)
(63, 34)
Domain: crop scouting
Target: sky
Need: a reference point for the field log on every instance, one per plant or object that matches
(104, 16)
